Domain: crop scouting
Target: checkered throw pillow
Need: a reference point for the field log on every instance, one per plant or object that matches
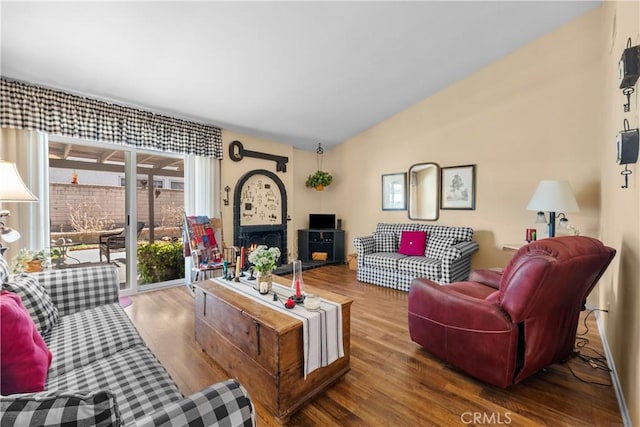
(437, 246)
(56, 408)
(36, 300)
(385, 242)
(4, 270)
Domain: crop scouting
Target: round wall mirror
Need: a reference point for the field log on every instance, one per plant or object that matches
(424, 185)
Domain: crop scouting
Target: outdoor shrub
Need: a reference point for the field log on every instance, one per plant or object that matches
(160, 261)
(89, 216)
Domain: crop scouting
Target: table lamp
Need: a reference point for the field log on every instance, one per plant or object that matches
(553, 197)
(12, 189)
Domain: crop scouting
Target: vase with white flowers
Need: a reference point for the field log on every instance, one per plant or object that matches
(264, 261)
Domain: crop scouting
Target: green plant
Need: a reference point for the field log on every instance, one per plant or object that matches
(160, 261)
(20, 263)
(264, 259)
(319, 178)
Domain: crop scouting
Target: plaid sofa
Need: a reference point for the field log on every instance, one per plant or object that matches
(447, 255)
(102, 373)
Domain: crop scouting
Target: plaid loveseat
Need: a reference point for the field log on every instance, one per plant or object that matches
(103, 374)
(447, 256)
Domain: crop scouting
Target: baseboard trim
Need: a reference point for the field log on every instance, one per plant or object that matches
(624, 410)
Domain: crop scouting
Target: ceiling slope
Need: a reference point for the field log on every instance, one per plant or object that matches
(295, 72)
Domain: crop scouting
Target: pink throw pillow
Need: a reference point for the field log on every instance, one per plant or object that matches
(24, 356)
(412, 243)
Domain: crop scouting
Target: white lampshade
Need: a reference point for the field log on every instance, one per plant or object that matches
(553, 196)
(12, 188)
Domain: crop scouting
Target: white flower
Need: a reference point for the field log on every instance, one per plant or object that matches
(264, 259)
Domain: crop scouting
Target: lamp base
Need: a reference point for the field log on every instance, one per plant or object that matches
(552, 224)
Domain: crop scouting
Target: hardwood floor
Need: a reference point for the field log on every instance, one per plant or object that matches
(392, 382)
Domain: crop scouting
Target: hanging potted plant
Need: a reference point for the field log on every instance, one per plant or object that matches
(319, 180)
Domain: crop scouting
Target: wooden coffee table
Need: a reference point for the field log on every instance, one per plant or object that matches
(262, 347)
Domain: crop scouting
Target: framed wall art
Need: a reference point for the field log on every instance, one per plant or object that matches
(394, 192)
(458, 187)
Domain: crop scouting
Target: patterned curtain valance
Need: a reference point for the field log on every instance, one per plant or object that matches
(30, 107)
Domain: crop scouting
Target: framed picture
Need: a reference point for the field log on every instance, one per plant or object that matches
(458, 187)
(394, 192)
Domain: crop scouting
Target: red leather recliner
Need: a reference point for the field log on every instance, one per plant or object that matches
(502, 327)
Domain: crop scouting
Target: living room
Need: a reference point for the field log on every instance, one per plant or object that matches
(549, 110)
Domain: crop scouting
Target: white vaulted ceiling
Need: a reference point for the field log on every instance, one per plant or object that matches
(295, 72)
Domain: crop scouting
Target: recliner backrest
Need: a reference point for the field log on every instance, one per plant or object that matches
(552, 274)
(543, 289)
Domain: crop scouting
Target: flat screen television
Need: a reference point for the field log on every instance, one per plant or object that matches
(322, 221)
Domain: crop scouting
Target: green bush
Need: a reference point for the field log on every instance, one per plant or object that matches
(160, 261)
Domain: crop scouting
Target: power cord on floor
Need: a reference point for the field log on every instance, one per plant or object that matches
(596, 362)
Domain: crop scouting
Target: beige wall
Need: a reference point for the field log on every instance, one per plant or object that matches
(300, 200)
(542, 112)
(536, 114)
(549, 110)
(620, 222)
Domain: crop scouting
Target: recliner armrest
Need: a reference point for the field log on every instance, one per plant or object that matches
(443, 304)
(221, 404)
(489, 277)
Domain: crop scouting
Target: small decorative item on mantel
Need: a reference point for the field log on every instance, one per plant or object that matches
(264, 262)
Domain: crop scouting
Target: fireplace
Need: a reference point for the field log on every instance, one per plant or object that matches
(251, 237)
(260, 212)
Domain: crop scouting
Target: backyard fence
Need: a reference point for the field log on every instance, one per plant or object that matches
(95, 207)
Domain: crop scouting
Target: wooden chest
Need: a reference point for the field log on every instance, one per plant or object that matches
(262, 347)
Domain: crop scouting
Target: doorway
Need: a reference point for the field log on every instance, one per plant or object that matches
(119, 205)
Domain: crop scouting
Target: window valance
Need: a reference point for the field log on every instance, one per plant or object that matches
(31, 107)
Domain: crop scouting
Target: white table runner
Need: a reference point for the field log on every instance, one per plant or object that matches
(321, 330)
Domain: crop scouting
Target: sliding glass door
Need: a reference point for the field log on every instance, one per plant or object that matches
(89, 208)
(159, 195)
(111, 204)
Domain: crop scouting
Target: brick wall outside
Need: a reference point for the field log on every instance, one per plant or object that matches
(102, 201)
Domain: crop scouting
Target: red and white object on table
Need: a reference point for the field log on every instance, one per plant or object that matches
(297, 283)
